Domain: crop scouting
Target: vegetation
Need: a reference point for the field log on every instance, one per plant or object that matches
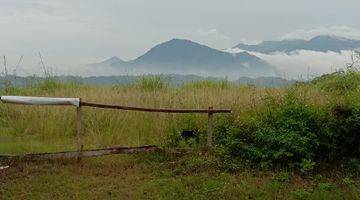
(164, 177)
(300, 142)
(292, 133)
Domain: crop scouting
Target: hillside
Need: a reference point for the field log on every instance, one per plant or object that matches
(107, 63)
(322, 43)
(179, 56)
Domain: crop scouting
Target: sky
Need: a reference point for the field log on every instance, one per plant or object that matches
(71, 33)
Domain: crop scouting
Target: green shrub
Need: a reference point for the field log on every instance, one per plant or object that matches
(326, 186)
(341, 133)
(301, 194)
(282, 177)
(290, 132)
(307, 165)
(347, 181)
(339, 82)
(285, 133)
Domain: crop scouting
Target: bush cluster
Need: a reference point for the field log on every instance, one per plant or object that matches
(290, 133)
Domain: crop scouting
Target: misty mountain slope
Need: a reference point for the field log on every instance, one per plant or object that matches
(189, 54)
(187, 57)
(108, 62)
(322, 43)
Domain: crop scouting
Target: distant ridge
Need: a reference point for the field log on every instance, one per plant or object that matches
(108, 62)
(181, 56)
(172, 79)
(321, 43)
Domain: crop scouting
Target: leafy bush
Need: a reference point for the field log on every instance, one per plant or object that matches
(347, 181)
(339, 82)
(284, 133)
(341, 133)
(282, 177)
(301, 194)
(292, 133)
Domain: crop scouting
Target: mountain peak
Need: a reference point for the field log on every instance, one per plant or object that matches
(178, 42)
(108, 62)
(325, 36)
(177, 49)
(113, 59)
(187, 57)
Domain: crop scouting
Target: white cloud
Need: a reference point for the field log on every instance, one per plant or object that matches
(342, 31)
(213, 33)
(305, 64)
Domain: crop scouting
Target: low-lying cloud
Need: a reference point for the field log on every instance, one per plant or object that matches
(341, 31)
(213, 33)
(304, 64)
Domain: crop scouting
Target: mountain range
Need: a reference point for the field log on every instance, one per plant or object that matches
(179, 56)
(321, 43)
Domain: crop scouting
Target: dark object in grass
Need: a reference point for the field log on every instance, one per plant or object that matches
(341, 112)
(188, 134)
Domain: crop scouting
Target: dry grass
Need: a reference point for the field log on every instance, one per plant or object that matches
(55, 126)
(35, 128)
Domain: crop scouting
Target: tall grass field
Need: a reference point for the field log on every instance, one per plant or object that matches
(300, 142)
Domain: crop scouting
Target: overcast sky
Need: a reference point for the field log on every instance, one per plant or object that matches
(69, 33)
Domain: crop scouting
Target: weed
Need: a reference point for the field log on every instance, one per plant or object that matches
(347, 181)
(300, 194)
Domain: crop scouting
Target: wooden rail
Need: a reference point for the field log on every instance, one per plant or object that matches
(75, 154)
(163, 110)
(79, 104)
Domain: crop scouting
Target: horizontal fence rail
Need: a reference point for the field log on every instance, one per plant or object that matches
(75, 154)
(78, 103)
(163, 110)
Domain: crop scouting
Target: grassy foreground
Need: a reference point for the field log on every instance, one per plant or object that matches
(166, 176)
(154, 177)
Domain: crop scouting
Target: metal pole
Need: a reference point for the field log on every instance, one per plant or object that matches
(210, 128)
(79, 130)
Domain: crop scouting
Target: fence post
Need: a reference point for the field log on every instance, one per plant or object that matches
(210, 128)
(79, 130)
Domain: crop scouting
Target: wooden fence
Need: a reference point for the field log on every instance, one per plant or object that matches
(80, 104)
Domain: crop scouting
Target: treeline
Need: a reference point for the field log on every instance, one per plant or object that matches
(172, 80)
